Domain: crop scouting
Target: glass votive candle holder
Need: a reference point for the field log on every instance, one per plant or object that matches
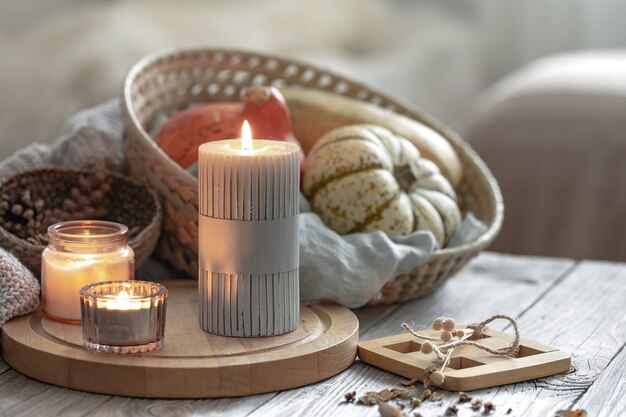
(81, 252)
(123, 316)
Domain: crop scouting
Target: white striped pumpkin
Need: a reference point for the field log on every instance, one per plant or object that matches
(362, 178)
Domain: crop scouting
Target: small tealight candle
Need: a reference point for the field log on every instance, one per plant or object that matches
(123, 316)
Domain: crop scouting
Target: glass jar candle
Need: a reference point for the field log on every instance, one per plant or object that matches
(80, 253)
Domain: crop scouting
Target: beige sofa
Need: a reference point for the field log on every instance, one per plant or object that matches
(554, 135)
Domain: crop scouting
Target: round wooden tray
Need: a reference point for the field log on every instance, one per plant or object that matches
(192, 363)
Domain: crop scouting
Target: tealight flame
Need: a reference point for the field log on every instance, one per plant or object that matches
(125, 301)
(120, 302)
(246, 136)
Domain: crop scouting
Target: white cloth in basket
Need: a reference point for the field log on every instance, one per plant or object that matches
(349, 269)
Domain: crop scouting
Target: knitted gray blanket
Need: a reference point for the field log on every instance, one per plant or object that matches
(19, 289)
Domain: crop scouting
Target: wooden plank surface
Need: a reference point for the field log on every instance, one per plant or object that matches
(578, 308)
(607, 395)
(491, 283)
(584, 315)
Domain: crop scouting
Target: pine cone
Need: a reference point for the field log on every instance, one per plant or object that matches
(28, 219)
(21, 215)
(88, 199)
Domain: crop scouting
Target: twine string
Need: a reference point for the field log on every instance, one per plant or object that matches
(476, 333)
(470, 337)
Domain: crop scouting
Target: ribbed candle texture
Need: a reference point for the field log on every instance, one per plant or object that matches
(248, 281)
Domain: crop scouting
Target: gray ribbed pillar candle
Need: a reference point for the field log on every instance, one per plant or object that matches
(248, 281)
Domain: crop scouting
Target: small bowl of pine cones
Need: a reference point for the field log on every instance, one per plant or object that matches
(33, 200)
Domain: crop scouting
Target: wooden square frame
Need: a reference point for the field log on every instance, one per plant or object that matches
(470, 368)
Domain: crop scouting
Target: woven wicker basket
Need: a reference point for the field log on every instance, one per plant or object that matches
(132, 204)
(167, 82)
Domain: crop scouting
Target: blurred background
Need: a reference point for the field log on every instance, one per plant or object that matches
(536, 86)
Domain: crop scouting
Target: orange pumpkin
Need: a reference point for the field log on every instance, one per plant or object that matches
(263, 107)
(181, 135)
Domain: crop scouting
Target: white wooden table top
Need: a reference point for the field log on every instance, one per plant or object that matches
(579, 307)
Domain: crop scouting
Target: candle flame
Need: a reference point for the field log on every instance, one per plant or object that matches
(125, 301)
(246, 136)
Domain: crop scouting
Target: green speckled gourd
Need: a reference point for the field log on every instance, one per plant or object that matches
(362, 178)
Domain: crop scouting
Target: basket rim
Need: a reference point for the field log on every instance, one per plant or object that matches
(407, 108)
(155, 220)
